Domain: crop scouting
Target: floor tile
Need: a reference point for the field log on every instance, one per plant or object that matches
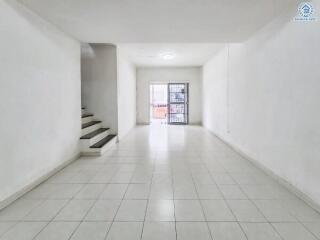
(90, 191)
(141, 178)
(259, 191)
(114, 191)
(63, 191)
(82, 177)
(103, 210)
(122, 177)
(162, 178)
(222, 178)
(208, 191)
(91, 230)
(243, 178)
(260, 231)
(102, 177)
(202, 178)
(24, 231)
(43, 191)
(274, 211)
(214, 166)
(301, 210)
(57, 231)
(226, 231)
(192, 231)
(131, 210)
(138, 191)
(185, 191)
(18, 210)
(232, 192)
(313, 227)
(198, 168)
(5, 226)
(162, 168)
(125, 231)
(293, 231)
(159, 231)
(161, 191)
(75, 210)
(46, 211)
(127, 167)
(152, 178)
(160, 210)
(188, 210)
(245, 211)
(217, 210)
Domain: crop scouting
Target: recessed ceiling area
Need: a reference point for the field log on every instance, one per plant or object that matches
(122, 21)
(158, 54)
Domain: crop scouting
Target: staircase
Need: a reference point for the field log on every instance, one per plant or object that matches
(95, 139)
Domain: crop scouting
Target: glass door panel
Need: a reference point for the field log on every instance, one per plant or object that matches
(178, 103)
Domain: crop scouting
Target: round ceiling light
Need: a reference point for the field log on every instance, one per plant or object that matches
(167, 55)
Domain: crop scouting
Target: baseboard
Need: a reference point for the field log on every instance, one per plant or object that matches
(273, 175)
(195, 124)
(143, 123)
(4, 203)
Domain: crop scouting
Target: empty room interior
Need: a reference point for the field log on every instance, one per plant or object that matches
(159, 120)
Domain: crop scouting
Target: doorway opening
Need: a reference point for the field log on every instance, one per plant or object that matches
(158, 103)
(169, 103)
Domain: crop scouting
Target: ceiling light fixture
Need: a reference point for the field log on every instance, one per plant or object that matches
(167, 55)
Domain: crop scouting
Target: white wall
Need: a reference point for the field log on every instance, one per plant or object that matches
(263, 97)
(99, 83)
(126, 94)
(191, 75)
(39, 98)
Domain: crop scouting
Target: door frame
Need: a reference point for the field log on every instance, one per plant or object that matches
(185, 103)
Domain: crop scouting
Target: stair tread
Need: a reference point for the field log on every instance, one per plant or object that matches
(103, 142)
(94, 133)
(87, 115)
(89, 124)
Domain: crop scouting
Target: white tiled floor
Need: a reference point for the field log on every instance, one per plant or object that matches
(166, 182)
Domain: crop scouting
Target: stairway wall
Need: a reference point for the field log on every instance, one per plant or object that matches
(262, 97)
(99, 83)
(39, 98)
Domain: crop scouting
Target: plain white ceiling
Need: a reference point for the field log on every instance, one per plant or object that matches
(185, 54)
(193, 30)
(114, 21)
